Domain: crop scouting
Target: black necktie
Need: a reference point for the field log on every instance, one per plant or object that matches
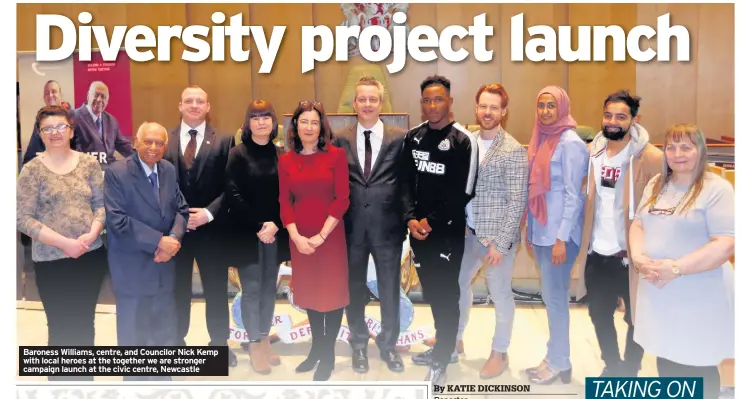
(190, 151)
(367, 160)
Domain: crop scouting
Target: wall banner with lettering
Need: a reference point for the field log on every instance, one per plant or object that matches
(68, 83)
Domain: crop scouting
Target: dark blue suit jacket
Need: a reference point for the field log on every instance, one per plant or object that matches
(89, 141)
(135, 223)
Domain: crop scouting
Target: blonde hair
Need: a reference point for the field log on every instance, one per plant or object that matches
(371, 81)
(675, 134)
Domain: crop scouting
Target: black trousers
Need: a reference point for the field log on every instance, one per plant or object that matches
(387, 262)
(213, 270)
(438, 263)
(606, 280)
(710, 375)
(69, 290)
(258, 281)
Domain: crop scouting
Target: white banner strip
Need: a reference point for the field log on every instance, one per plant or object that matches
(290, 335)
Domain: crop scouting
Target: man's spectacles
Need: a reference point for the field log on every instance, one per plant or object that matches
(51, 129)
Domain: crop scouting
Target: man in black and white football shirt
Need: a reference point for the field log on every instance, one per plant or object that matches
(440, 171)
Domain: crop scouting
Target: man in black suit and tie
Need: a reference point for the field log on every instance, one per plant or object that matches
(374, 222)
(146, 218)
(200, 154)
(97, 132)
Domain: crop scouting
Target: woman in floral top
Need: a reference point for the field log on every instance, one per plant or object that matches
(60, 206)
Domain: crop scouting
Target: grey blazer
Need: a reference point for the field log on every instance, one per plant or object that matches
(502, 193)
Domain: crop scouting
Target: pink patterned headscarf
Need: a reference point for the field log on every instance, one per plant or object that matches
(544, 140)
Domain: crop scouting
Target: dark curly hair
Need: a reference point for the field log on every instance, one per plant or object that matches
(325, 133)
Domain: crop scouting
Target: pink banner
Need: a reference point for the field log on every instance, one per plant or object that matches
(116, 76)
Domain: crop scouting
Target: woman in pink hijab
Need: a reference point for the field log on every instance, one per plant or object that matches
(558, 160)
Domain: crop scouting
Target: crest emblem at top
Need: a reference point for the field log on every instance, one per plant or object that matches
(444, 145)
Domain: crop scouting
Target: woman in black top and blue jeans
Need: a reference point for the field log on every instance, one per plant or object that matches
(259, 242)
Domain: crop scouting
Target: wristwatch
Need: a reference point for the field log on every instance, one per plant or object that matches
(676, 269)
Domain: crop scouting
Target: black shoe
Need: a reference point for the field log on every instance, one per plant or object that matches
(360, 361)
(393, 361)
(232, 358)
(436, 374)
(308, 364)
(315, 354)
(324, 371)
(426, 358)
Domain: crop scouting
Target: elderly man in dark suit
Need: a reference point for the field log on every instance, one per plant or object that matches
(96, 131)
(146, 218)
(374, 222)
(200, 155)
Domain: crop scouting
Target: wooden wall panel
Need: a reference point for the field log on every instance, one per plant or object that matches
(700, 91)
(524, 79)
(467, 76)
(669, 89)
(228, 83)
(156, 86)
(591, 82)
(715, 77)
(405, 85)
(329, 76)
(285, 86)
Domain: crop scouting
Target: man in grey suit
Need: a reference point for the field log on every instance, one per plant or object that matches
(96, 131)
(493, 219)
(146, 218)
(374, 222)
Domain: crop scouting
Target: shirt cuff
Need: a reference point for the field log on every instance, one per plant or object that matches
(563, 233)
(211, 218)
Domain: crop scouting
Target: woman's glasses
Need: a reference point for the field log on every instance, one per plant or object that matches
(51, 129)
(666, 211)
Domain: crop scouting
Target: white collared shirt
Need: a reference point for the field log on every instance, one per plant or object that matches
(377, 135)
(185, 137)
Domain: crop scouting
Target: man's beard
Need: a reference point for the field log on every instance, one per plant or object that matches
(619, 135)
(494, 122)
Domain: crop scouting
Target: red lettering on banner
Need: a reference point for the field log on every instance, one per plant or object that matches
(293, 336)
(277, 320)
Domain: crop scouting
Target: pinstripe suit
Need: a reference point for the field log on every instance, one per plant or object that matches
(494, 216)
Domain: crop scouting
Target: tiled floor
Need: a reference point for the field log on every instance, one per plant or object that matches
(527, 347)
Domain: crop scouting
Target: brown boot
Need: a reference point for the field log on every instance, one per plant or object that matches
(259, 358)
(273, 358)
(495, 365)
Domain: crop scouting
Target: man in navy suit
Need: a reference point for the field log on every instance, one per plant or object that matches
(96, 131)
(146, 218)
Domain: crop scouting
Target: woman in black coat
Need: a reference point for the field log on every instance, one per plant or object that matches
(258, 240)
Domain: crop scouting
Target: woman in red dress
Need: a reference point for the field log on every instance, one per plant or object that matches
(313, 192)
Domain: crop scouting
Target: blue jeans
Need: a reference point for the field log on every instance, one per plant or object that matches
(555, 292)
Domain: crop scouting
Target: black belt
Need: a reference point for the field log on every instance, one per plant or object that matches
(472, 230)
(619, 254)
